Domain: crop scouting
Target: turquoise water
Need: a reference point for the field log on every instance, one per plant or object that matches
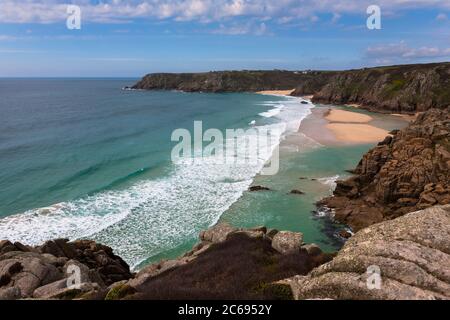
(81, 158)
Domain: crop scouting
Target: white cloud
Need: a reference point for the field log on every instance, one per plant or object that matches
(49, 11)
(401, 51)
(336, 17)
(241, 29)
(441, 17)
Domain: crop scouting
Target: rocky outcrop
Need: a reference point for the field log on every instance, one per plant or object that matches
(407, 172)
(228, 263)
(58, 269)
(225, 81)
(399, 89)
(411, 256)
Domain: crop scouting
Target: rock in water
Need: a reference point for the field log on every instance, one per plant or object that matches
(409, 172)
(411, 254)
(298, 192)
(258, 188)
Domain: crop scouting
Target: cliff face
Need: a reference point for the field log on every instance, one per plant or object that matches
(225, 81)
(401, 89)
(407, 172)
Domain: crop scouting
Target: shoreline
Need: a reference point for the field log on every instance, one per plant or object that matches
(332, 126)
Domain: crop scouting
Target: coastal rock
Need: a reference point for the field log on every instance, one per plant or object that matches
(395, 89)
(217, 233)
(258, 188)
(226, 81)
(400, 89)
(297, 192)
(345, 234)
(7, 246)
(412, 254)
(287, 242)
(312, 249)
(409, 173)
(42, 272)
(242, 265)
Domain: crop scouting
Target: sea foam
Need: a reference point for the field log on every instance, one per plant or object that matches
(155, 216)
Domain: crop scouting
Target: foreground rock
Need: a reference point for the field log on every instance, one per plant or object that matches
(412, 254)
(47, 271)
(407, 172)
(228, 263)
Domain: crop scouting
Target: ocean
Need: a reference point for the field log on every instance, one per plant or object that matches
(82, 158)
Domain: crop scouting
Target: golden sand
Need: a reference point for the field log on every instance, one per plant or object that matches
(357, 133)
(347, 117)
(277, 92)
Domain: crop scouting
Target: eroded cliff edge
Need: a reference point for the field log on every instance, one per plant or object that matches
(395, 89)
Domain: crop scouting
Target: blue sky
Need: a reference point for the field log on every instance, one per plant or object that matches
(129, 38)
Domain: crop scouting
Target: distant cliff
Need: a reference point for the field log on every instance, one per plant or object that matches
(227, 81)
(398, 89)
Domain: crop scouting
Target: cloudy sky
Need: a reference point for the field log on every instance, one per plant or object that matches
(128, 38)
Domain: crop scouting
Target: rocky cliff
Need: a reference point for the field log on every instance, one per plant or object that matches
(411, 256)
(226, 81)
(407, 172)
(399, 89)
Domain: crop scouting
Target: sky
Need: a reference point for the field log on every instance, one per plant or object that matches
(130, 38)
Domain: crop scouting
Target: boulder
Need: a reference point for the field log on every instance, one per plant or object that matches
(287, 242)
(6, 246)
(312, 249)
(42, 271)
(217, 233)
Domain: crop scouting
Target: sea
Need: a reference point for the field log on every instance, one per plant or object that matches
(84, 158)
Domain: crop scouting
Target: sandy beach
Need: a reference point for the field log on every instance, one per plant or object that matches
(277, 92)
(352, 127)
(347, 117)
(339, 127)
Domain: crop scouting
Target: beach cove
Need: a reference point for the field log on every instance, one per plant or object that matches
(312, 159)
(101, 169)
